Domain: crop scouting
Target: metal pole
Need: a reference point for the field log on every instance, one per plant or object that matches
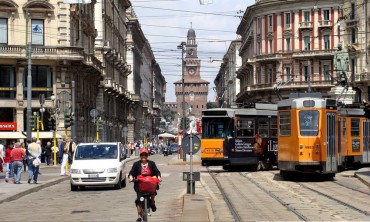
(73, 119)
(183, 97)
(191, 164)
(55, 145)
(29, 92)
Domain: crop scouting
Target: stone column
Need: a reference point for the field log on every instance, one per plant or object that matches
(21, 103)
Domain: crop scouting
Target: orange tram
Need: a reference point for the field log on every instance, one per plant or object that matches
(316, 136)
(244, 138)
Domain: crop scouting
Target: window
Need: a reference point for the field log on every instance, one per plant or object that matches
(326, 42)
(354, 67)
(273, 127)
(263, 128)
(344, 126)
(287, 20)
(7, 82)
(306, 71)
(309, 122)
(269, 77)
(326, 14)
(353, 35)
(287, 45)
(42, 81)
(287, 72)
(284, 123)
(3, 31)
(37, 27)
(326, 72)
(270, 20)
(270, 45)
(307, 43)
(245, 128)
(307, 16)
(353, 10)
(259, 77)
(258, 25)
(355, 127)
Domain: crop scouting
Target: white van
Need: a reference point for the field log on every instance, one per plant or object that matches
(98, 164)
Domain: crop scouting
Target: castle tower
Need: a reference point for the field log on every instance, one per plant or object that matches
(196, 89)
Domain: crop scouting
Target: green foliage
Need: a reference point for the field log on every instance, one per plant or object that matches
(168, 114)
(211, 105)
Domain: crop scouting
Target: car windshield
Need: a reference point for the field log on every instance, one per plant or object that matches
(98, 151)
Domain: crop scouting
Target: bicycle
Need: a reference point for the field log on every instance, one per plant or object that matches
(144, 197)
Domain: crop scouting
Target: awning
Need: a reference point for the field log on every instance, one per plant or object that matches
(11, 135)
(45, 135)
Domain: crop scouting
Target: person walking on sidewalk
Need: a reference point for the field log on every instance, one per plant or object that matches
(1, 157)
(48, 153)
(68, 150)
(34, 152)
(61, 151)
(23, 146)
(17, 156)
(8, 162)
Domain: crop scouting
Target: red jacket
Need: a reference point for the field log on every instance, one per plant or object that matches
(7, 155)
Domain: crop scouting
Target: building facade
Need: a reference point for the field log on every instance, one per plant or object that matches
(89, 45)
(226, 82)
(195, 90)
(288, 46)
(355, 22)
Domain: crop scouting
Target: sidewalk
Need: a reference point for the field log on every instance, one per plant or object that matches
(363, 174)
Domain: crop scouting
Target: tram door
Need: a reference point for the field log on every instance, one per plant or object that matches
(366, 141)
(331, 163)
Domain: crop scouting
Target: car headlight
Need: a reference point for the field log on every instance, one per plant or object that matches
(112, 170)
(75, 171)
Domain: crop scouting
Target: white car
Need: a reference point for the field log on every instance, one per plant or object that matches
(98, 164)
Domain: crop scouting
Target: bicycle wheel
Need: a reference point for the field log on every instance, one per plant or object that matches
(144, 211)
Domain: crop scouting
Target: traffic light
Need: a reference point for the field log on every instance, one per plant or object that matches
(68, 120)
(33, 122)
(367, 111)
(100, 124)
(51, 123)
(187, 122)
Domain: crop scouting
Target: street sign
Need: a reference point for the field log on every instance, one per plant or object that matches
(186, 144)
(94, 113)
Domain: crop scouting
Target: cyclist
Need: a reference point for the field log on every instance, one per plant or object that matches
(144, 167)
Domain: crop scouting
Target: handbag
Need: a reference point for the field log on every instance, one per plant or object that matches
(36, 162)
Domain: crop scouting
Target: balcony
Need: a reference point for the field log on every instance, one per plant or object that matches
(363, 77)
(145, 104)
(325, 24)
(91, 60)
(268, 57)
(250, 36)
(351, 21)
(270, 29)
(156, 105)
(292, 84)
(305, 25)
(42, 52)
(314, 53)
(108, 83)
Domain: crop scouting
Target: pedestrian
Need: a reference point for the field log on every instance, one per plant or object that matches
(34, 154)
(68, 150)
(132, 147)
(47, 153)
(23, 146)
(61, 151)
(1, 157)
(17, 156)
(8, 162)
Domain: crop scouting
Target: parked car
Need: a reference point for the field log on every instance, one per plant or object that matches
(98, 164)
(174, 148)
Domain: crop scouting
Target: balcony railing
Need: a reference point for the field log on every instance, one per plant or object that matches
(108, 83)
(305, 25)
(325, 24)
(72, 53)
(269, 56)
(299, 84)
(313, 53)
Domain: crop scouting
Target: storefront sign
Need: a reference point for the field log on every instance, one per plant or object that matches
(8, 126)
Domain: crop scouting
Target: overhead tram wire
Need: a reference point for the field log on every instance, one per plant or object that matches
(184, 28)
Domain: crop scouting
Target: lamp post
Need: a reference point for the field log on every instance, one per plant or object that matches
(182, 47)
(54, 111)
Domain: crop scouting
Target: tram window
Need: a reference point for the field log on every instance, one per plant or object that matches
(217, 128)
(284, 121)
(273, 127)
(263, 128)
(309, 122)
(355, 127)
(344, 126)
(245, 128)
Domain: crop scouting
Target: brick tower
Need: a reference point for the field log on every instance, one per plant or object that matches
(196, 89)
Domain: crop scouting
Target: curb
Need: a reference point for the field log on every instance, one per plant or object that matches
(361, 179)
(34, 189)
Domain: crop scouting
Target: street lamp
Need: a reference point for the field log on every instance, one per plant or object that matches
(182, 47)
(54, 111)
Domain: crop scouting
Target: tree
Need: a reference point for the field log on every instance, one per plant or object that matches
(168, 114)
(211, 105)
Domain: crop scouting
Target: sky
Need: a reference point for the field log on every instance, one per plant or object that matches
(165, 24)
